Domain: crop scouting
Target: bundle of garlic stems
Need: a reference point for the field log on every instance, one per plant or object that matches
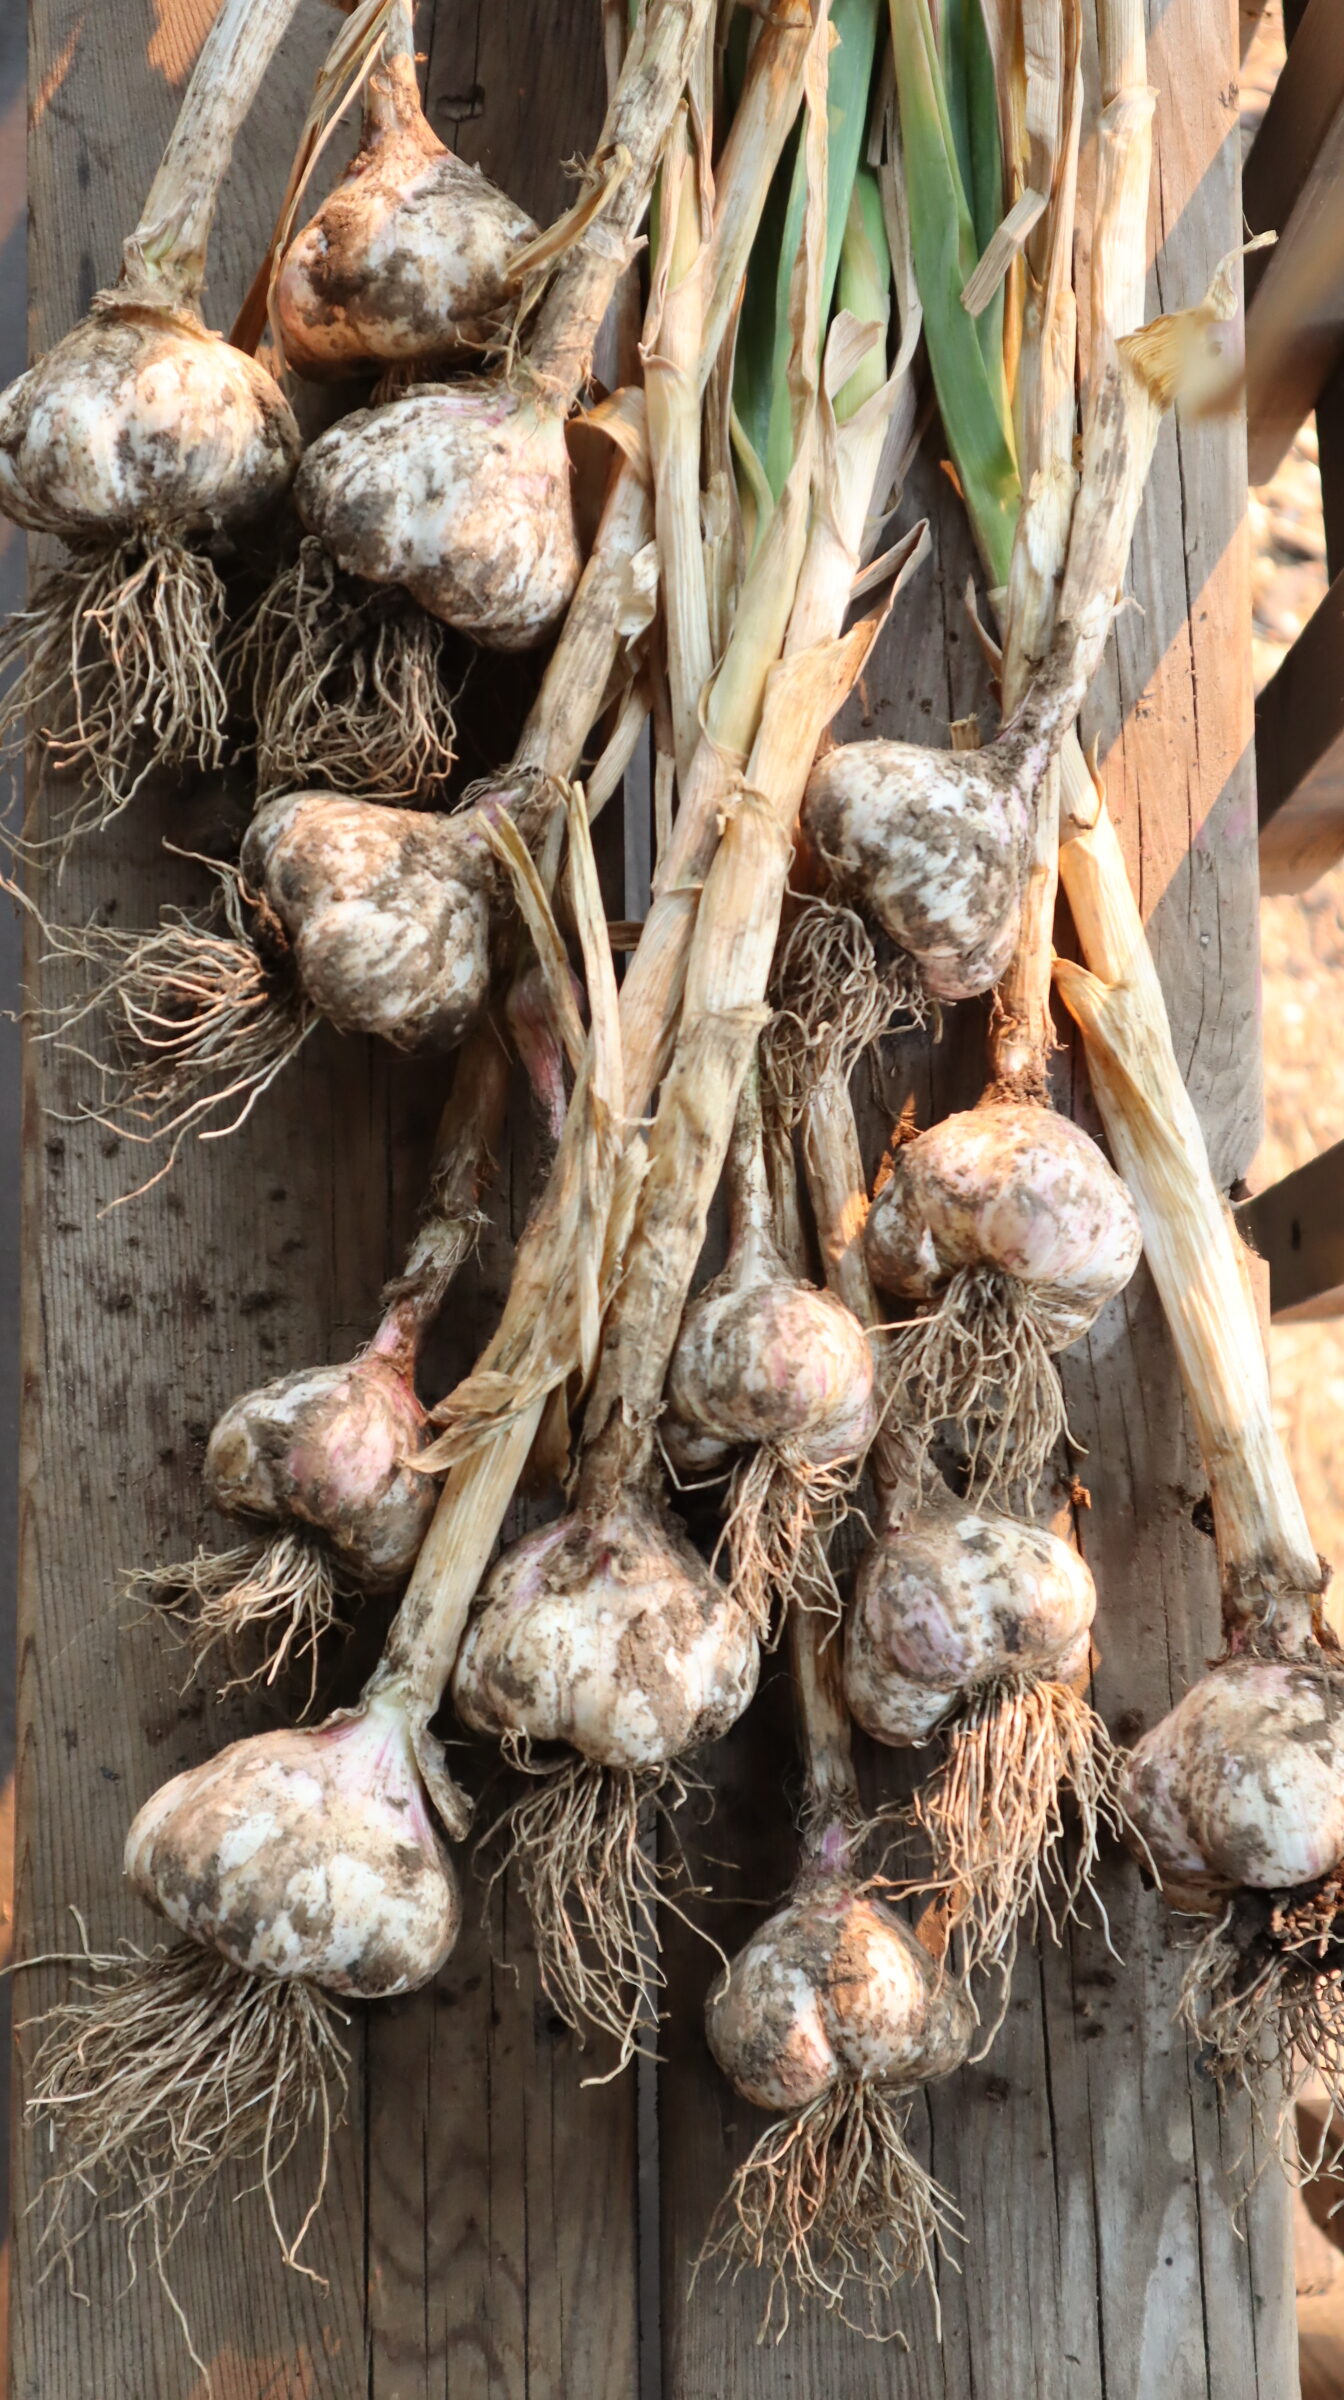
(326, 1456)
(304, 1867)
(833, 2015)
(146, 442)
(1238, 1791)
(969, 1625)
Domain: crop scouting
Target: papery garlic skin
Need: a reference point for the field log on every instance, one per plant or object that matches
(612, 1635)
(1242, 1784)
(931, 846)
(143, 421)
(306, 1853)
(407, 260)
(1014, 1189)
(775, 1362)
(327, 1447)
(833, 1988)
(954, 1599)
(386, 911)
(460, 493)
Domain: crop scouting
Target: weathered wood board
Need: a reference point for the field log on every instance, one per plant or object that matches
(487, 2234)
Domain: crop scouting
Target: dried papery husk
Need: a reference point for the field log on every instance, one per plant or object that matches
(835, 2014)
(1009, 1219)
(833, 998)
(348, 681)
(408, 259)
(143, 439)
(299, 1865)
(607, 1633)
(975, 1625)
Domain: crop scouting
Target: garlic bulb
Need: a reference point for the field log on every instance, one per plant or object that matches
(460, 494)
(386, 910)
(139, 422)
(327, 1447)
(1015, 1190)
(762, 1358)
(834, 1988)
(306, 1854)
(608, 1633)
(932, 845)
(956, 1599)
(408, 258)
(1242, 1784)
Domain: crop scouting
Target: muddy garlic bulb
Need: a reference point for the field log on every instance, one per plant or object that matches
(609, 1634)
(932, 846)
(386, 911)
(328, 1448)
(145, 441)
(1242, 1785)
(956, 1599)
(408, 259)
(306, 1854)
(764, 1359)
(459, 494)
(832, 2016)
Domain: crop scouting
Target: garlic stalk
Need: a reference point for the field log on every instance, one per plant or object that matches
(832, 2017)
(304, 1867)
(144, 441)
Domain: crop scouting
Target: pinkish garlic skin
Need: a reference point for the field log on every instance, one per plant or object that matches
(612, 1635)
(327, 1448)
(141, 420)
(834, 1988)
(461, 494)
(954, 1599)
(306, 1853)
(386, 909)
(1015, 1189)
(931, 845)
(407, 260)
(1242, 1784)
(777, 1361)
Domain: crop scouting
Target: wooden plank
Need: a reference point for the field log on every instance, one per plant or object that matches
(452, 2251)
(1297, 1227)
(1299, 754)
(1295, 293)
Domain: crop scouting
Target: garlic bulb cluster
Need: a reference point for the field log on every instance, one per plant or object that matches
(386, 912)
(1242, 1785)
(952, 1601)
(834, 1988)
(1011, 1189)
(306, 1854)
(458, 493)
(931, 845)
(407, 261)
(327, 1448)
(608, 1633)
(143, 422)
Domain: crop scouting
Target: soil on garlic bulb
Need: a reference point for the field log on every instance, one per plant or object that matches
(605, 1634)
(1007, 1219)
(833, 2015)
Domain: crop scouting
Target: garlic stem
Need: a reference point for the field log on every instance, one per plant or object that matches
(750, 1209)
(164, 259)
(392, 94)
(672, 398)
(642, 106)
(816, 1661)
